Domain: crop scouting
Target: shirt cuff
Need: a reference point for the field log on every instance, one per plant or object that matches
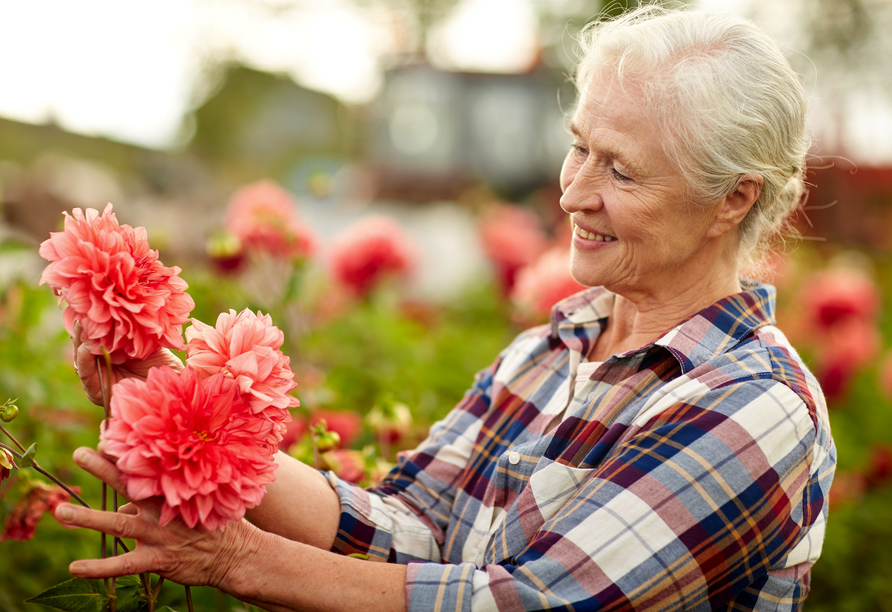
(382, 527)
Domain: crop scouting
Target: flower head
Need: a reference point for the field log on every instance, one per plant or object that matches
(368, 252)
(832, 295)
(543, 284)
(126, 300)
(193, 440)
(246, 348)
(22, 520)
(262, 217)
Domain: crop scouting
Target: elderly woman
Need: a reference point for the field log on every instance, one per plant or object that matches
(658, 446)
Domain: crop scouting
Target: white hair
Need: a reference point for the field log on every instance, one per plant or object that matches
(725, 96)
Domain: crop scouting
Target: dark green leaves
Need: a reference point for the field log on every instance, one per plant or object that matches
(81, 595)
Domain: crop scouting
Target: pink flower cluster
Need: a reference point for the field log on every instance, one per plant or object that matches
(192, 440)
(512, 238)
(368, 252)
(205, 438)
(263, 217)
(126, 301)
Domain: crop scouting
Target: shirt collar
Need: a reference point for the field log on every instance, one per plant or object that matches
(578, 320)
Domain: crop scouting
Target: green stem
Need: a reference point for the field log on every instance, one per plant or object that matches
(65, 487)
(14, 441)
(50, 476)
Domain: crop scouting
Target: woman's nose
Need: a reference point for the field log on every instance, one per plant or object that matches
(580, 192)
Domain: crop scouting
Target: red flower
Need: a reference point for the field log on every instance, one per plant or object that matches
(7, 462)
(879, 469)
(22, 520)
(512, 238)
(839, 293)
(844, 348)
(246, 348)
(125, 299)
(368, 252)
(194, 441)
(262, 216)
(543, 284)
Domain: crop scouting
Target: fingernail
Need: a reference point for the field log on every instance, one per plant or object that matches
(81, 455)
(64, 513)
(76, 567)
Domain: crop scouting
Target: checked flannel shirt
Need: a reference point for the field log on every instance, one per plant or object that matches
(691, 474)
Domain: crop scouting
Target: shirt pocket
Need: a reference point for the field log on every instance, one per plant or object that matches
(550, 487)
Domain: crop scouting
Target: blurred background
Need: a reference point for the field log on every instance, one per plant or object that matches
(381, 177)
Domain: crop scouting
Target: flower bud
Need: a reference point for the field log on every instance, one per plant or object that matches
(9, 412)
(329, 440)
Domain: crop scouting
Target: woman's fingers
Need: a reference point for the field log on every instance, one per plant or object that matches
(113, 523)
(135, 562)
(100, 467)
(85, 367)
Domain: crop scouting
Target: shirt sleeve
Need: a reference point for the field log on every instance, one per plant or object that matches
(694, 507)
(405, 517)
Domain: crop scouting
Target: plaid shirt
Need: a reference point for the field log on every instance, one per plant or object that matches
(690, 474)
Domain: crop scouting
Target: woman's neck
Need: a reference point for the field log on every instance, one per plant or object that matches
(639, 321)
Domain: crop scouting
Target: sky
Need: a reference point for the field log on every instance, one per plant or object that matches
(129, 70)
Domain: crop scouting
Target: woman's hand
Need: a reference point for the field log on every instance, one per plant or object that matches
(85, 365)
(176, 552)
(242, 560)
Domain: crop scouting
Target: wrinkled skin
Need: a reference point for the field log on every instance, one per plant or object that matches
(176, 552)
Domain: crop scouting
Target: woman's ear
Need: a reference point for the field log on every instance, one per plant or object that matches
(735, 206)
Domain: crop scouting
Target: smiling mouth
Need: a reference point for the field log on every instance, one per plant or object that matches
(590, 236)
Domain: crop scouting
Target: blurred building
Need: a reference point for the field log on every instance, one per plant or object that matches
(258, 124)
(434, 132)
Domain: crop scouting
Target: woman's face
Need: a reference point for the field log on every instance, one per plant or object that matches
(635, 232)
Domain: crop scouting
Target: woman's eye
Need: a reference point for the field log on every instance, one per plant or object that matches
(620, 177)
(579, 150)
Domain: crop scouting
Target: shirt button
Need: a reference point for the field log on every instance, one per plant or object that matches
(513, 457)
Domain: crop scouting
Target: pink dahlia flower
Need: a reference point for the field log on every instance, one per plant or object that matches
(512, 238)
(368, 252)
(543, 284)
(247, 348)
(262, 216)
(125, 299)
(192, 440)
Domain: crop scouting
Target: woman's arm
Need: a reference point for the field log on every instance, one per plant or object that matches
(300, 505)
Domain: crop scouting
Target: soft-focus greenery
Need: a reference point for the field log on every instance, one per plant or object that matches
(348, 358)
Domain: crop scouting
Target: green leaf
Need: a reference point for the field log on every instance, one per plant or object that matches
(28, 456)
(80, 595)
